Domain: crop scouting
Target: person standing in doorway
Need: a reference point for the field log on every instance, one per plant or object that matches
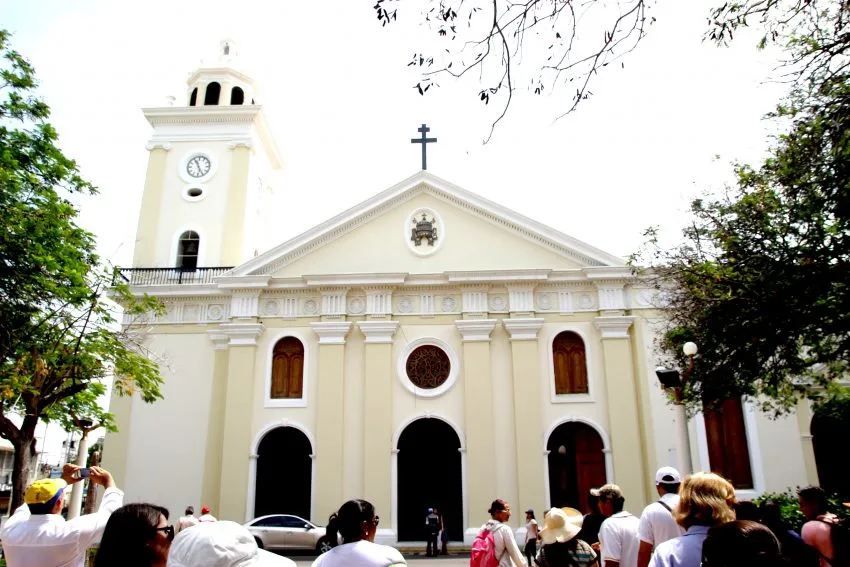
(188, 520)
(618, 536)
(657, 523)
(530, 536)
(444, 536)
(432, 529)
(206, 516)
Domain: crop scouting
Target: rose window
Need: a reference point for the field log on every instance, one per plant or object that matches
(428, 367)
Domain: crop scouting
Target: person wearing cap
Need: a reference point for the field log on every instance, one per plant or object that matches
(221, 544)
(559, 540)
(530, 549)
(705, 500)
(38, 536)
(657, 523)
(432, 525)
(507, 551)
(205, 515)
(618, 536)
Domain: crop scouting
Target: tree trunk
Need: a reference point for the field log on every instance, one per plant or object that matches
(22, 464)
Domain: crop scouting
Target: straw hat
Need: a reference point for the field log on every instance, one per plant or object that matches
(561, 525)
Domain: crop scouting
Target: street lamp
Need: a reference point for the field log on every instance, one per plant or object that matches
(672, 380)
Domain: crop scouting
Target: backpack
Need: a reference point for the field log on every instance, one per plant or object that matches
(483, 552)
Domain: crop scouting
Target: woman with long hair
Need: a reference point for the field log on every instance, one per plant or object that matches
(530, 536)
(136, 535)
(357, 523)
(705, 500)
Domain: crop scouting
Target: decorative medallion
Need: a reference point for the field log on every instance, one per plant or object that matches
(424, 231)
(215, 312)
(585, 301)
(497, 303)
(449, 304)
(428, 367)
(356, 305)
(405, 305)
(544, 301)
(310, 307)
(272, 308)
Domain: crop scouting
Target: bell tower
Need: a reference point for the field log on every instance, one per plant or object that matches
(211, 172)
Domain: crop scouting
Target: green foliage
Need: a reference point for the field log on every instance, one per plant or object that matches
(59, 337)
(789, 506)
(760, 282)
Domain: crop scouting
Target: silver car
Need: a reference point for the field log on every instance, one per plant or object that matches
(283, 531)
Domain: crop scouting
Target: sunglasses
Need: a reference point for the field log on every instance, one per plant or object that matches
(377, 520)
(169, 532)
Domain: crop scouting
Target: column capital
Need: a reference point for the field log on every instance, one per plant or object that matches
(475, 330)
(331, 332)
(242, 334)
(614, 327)
(158, 145)
(378, 331)
(219, 338)
(523, 329)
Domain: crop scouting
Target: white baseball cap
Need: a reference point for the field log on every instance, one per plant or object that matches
(667, 475)
(220, 544)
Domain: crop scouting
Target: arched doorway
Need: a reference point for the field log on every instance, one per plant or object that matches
(830, 430)
(284, 473)
(429, 476)
(576, 464)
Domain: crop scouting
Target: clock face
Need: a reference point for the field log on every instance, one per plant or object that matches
(198, 166)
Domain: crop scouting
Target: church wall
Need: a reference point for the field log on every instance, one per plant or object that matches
(354, 428)
(380, 246)
(777, 440)
(171, 433)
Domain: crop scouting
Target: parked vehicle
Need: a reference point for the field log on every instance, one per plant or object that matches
(284, 531)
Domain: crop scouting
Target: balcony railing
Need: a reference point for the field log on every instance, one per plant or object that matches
(168, 276)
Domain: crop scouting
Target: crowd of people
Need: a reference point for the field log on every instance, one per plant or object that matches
(694, 523)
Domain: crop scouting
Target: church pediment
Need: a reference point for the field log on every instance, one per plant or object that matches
(425, 225)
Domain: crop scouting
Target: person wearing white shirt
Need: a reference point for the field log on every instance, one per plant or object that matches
(357, 524)
(657, 523)
(188, 520)
(206, 516)
(507, 551)
(618, 535)
(38, 536)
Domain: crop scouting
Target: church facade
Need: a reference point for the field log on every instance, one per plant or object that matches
(426, 348)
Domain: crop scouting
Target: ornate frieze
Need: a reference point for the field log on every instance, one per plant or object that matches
(521, 298)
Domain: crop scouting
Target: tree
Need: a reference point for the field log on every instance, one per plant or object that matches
(493, 36)
(760, 281)
(59, 338)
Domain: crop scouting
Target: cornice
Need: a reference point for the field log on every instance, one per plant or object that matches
(475, 330)
(243, 282)
(523, 329)
(390, 279)
(378, 331)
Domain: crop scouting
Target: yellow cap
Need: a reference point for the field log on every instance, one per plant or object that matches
(42, 491)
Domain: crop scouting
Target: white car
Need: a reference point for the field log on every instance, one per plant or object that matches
(284, 531)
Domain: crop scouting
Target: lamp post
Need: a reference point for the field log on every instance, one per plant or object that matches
(671, 379)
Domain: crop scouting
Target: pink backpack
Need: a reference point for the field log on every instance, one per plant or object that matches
(483, 550)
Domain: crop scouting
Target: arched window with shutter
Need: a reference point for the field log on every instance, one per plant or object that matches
(287, 369)
(187, 250)
(570, 364)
